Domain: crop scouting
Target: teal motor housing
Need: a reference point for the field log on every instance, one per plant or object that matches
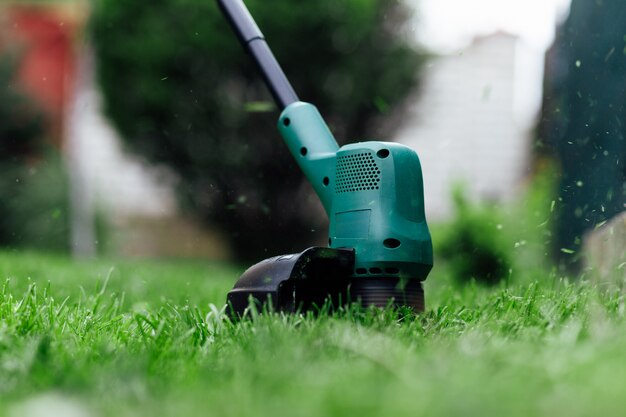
(379, 246)
(372, 192)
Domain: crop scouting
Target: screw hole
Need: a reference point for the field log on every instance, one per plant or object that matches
(392, 271)
(361, 271)
(326, 181)
(391, 243)
(376, 271)
(286, 121)
(303, 151)
(383, 153)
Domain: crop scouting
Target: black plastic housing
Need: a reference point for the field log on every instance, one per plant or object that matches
(294, 282)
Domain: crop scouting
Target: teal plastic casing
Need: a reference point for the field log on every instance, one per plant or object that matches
(373, 194)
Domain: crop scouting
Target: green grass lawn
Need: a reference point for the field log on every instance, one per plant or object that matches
(154, 342)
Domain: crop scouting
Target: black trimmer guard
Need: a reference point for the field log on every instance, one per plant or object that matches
(305, 281)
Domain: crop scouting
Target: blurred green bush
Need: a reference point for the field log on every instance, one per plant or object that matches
(474, 245)
(182, 92)
(33, 183)
(34, 212)
(488, 242)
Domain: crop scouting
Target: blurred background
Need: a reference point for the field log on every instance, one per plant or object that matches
(140, 128)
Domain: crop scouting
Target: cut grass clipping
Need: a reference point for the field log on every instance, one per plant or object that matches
(137, 339)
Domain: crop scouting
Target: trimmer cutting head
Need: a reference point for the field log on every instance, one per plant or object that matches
(380, 248)
(315, 277)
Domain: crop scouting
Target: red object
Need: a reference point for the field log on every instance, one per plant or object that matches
(44, 38)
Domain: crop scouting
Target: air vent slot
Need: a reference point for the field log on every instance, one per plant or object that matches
(357, 172)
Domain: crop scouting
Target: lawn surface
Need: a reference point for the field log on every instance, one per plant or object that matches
(109, 338)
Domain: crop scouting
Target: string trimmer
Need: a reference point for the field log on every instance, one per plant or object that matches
(379, 247)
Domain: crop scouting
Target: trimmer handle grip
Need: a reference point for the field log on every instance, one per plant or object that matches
(253, 41)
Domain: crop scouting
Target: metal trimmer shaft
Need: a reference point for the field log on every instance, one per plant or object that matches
(254, 42)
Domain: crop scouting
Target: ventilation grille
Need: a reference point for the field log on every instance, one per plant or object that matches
(356, 172)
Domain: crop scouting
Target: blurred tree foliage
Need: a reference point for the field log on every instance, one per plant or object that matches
(33, 184)
(21, 124)
(584, 119)
(182, 92)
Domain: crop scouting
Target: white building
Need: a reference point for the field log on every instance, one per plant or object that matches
(470, 122)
